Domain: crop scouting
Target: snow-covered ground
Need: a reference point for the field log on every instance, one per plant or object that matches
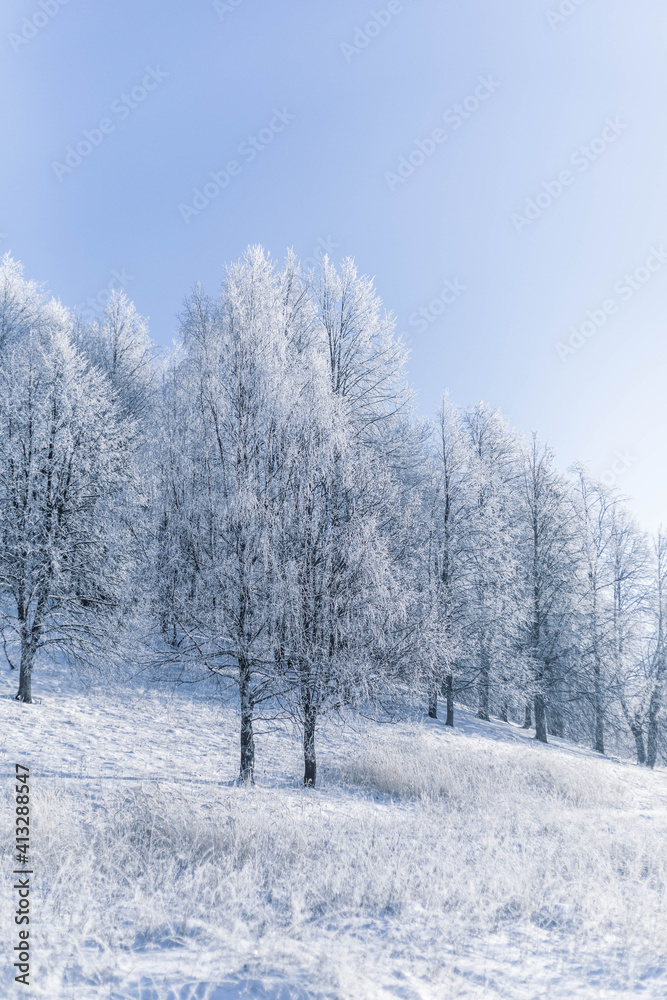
(427, 864)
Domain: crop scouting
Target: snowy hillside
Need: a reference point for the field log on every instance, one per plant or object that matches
(427, 864)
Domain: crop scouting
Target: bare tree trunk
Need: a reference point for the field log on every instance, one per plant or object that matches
(504, 712)
(247, 772)
(528, 718)
(554, 722)
(652, 742)
(449, 694)
(638, 734)
(599, 711)
(540, 719)
(598, 740)
(484, 685)
(652, 735)
(24, 692)
(433, 698)
(599, 733)
(309, 759)
(4, 644)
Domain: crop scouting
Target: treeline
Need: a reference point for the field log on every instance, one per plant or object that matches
(262, 504)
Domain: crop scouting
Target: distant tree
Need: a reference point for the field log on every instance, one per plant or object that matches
(119, 345)
(21, 303)
(450, 509)
(639, 620)
(594, 511)
(178, 482)
(548, 571)
(658, 660)
(494, 594)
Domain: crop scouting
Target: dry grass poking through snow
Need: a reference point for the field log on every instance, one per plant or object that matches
(475, 773)
(428, 865)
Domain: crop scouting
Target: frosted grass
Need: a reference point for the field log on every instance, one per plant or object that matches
(426, 865)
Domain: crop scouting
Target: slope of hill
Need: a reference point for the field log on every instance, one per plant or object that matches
(428, 864)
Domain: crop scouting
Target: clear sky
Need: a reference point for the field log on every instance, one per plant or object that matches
(410, 134)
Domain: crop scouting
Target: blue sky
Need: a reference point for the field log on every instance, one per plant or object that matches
(530, 213)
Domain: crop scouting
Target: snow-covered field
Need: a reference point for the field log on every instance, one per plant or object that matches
(427, 864)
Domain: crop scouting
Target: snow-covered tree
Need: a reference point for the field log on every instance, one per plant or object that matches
(297, 531)
(657, 663)
(494, 594)
(594, 511)
(63, 475)
(547, 566)
(119, 345)
(640, 592)
(342, 625)
(21, 303)
(449, 506)
(240, 393)
(340, 596)
(366, 362)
